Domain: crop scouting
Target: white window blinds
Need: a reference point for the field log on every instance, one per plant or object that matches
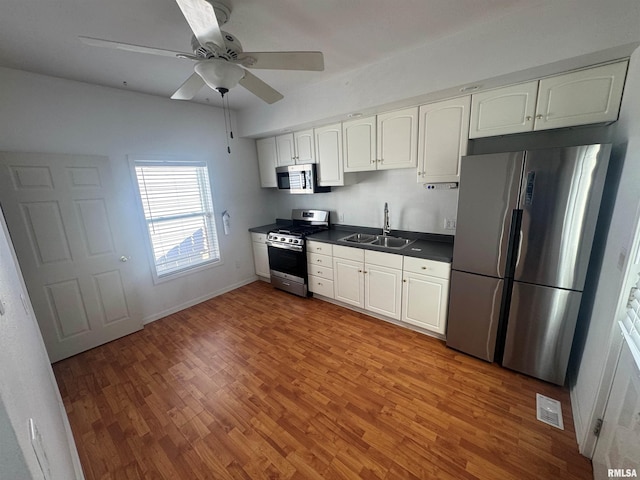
(178, 210)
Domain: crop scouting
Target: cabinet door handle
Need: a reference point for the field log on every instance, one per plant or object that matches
(424, 268)
(528, 118)
(404, 280)
(359, 271)
(365, 272)
(539, 116)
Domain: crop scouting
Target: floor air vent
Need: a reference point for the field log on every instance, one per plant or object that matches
(549, 411)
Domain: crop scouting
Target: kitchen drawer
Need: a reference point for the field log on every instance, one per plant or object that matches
(427, 267)
(259, 237)
(348, 253)
(383, 259)
(317, 259)
(319, 247)
(321, 271)
(321, 286)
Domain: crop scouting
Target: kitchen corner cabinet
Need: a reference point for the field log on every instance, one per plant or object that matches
(425, 293)
(443, 139)
(368, 279)
(328, 143)
(260, 254)
(581, 97)
(267, 158)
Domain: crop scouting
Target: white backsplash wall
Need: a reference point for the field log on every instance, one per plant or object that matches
(411, 206)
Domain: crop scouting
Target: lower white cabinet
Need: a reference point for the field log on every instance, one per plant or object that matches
(425, 294)
(408, 289)
(368, 279)
(260, 254)
(320, 268)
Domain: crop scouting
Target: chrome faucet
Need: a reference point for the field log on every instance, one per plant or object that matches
(386, 227)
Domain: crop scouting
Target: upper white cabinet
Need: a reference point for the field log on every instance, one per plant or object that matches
(398, 139)
(304, 150)
(359, 144)
(443, 139)
(383, 142)
(266, 148)
(328, 143)
(503, 111)
(295, 148)
(580, 98)
(575, 98)
(285, 150)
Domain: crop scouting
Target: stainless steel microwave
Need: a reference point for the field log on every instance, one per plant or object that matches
(299, 179)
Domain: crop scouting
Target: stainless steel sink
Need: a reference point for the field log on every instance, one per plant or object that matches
(358, 238)
(391, 242)
(386, 241)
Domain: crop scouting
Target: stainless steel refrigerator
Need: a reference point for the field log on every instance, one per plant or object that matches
(523, 240)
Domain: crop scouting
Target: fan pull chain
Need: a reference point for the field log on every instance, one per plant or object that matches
(226, 111)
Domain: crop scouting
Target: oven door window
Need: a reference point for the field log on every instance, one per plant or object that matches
(288, 261)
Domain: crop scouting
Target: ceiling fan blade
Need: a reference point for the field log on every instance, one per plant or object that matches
(259, 88)
(203, 22)
(283, 60)
(189, 88)
(98, 42)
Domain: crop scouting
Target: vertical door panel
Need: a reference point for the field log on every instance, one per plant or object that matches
(488, 195)
(304, 147)
(359, 144)
(560, 201)
(383, 290)
(424, 301)
(267, 159)
(474, 314)
(62, 214)
(619, 440)
(348, 281)
(398, 139)
(329, 155)
(540, 330)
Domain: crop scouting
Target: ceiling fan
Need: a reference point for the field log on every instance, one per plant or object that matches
(220, 61)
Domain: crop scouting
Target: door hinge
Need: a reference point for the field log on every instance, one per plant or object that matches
(598, 427)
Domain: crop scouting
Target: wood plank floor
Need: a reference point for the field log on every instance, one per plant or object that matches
(260, 384)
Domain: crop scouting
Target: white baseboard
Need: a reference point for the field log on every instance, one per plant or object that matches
(195, 301)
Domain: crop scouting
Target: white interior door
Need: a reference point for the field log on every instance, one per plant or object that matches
(618, 446)
(61, 214)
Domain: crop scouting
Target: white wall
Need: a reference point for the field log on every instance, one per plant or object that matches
(411, 206)
(27, 386)
(528, 38)
(45, 114)
(602, 328)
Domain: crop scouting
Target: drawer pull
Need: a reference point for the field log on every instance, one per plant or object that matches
(424, 268)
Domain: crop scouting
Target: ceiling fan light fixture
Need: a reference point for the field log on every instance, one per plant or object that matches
(219, 74)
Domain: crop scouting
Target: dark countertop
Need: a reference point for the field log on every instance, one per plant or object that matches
(428, 246)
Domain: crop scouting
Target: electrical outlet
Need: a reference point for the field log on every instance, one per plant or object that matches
(449, 223)
(341, 217)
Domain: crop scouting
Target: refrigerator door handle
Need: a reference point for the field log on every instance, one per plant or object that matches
(515, 234)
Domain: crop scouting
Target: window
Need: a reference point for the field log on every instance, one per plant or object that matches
(178, 210)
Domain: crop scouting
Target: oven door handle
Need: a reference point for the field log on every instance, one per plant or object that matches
(296, 248)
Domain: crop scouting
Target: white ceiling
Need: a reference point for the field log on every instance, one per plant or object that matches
(41, 36)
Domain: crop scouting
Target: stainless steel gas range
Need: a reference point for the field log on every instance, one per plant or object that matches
(288, 252)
